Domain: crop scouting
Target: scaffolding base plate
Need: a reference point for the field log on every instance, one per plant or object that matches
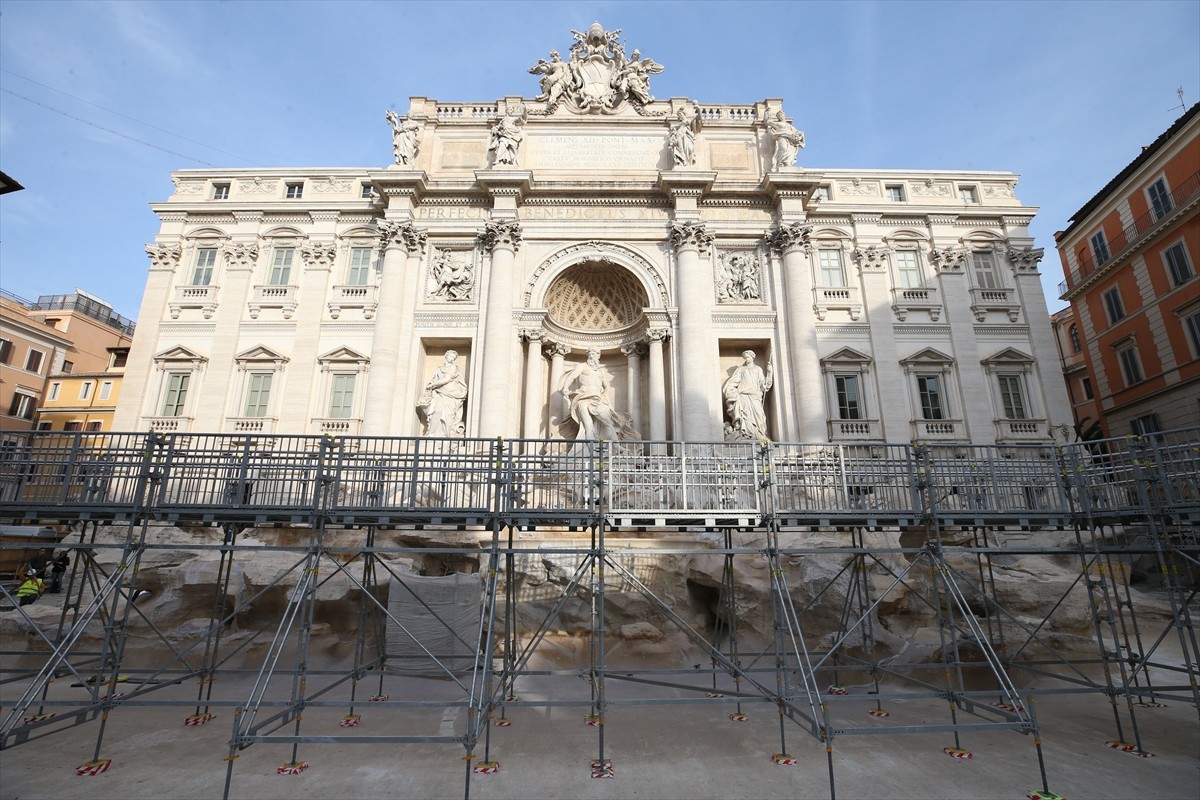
(603, 769)
(784, 760)
(738, 717)
(1043, 794)
(380, 698)
(1151, 705)
(713, 694)
(1127, 747)
(879, 712)
(503, 722)
(593, 720)
(93, 767)
(351, 721)
(198, 719)
(293, 768)
(955, 752)
(32, 718)
(486, 768)
(1009, 707)
(837, 690)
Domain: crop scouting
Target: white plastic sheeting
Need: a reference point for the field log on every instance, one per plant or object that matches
(434, 624)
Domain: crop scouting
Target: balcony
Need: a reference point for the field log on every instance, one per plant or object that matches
(252, 424)
(272, 296)
(1022, 430)
(339, 426)
(919, 299)
(169, 424)
(353, 296)
(854, 430)
(1002, 300)
(837, 298)
(1130, 237)
(938, 430)
(201, 297)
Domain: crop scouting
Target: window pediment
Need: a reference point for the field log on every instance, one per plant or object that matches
(179, 354)
(930, 356)
(1009, 356)
(260, 354)
(847, 356)
(343, 355)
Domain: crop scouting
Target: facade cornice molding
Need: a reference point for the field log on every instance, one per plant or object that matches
(189, 328)
(345, 328)
(250, 328)
(921, 329)
(444, 319)
(749, 319)
(848, 329)
(1007, 331)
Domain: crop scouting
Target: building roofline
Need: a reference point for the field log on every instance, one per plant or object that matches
(1132, 167)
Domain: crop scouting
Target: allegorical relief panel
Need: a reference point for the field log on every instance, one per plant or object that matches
(451, 275)
(738, 277)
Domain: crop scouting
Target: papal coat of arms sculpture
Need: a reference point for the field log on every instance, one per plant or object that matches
(597, 76)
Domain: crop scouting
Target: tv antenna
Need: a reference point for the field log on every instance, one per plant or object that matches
(1182, 105)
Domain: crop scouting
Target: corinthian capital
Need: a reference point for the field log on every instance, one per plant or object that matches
(241, 255)
(402, 234)
(949, 259)
(164, 256)
(690, 234)
(505, 234)
(319, 254)
(789, 237)
(1025, 259)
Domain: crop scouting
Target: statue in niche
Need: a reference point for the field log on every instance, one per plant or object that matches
(454, 277)
(586, 388)
(788, 141)
(404, 139)
(556, 78)
(737, 279)
(682, 138)
(507, 136)
(744, 392)
(443, 399)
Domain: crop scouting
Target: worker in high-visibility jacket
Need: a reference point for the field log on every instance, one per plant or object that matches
(31, 588)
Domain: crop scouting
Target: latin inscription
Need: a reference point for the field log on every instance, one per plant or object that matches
(597, 152)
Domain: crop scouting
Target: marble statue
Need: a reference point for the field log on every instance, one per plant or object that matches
(443, 399)
(737, 279)
(744, 392)
(682, 138)
(507, 136)
(586, 388)
(556, 78)
(633, 78)
(404, 139)
(597, 76)
(454, 276)
(788, 141)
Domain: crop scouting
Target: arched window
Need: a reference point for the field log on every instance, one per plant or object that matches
(1073, 332)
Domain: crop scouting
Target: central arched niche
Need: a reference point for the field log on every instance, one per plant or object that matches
(594, 296)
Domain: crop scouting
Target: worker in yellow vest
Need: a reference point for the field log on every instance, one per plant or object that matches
(31, 588)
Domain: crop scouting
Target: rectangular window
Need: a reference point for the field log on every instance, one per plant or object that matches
(73, 426)
(67, 367)
(281, 266)
(908, 269)
(120, 358)
(206, 259)
(341, 396)
(1145, 425)
(1012, 396)
(22, 406)
(366, 192)
(1086, 384)
(1178, 264)
(821, 193)
(33, 361)
(1160, 199)
(849, 405)
(1100, 247)
(930, 389)
(258, 394)
(895, 193)
(85, 390)
(54, 388)
(1131, 365)
(360, 266)
(986, 274)
(45, 425)
(295, 191)
(176, 394)
(220, 191)
(967, 194)
(1191, 324)
(832, 272)
(95, 426)
(106, 390)
(6, 350)
(1113, 305)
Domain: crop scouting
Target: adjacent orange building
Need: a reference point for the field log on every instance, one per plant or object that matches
(1130, 257)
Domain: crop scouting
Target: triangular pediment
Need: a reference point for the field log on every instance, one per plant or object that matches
(929, 355)
(260, 353)
(1009, 355)
(180, 353)
(343, 355)
(847, 355)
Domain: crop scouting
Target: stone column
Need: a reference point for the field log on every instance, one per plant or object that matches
(138, 383)
(1057, 406)
(791, 241)
(401, 241)
(535, 396)
(658, 385)
(697, 359)
(890, 381)
(634, 364)
(974, 395)
(501, 239)
(237, 285)
(557, 353)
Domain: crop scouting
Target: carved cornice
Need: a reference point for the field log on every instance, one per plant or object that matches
(324, 216)
(257, 186)
(1025, 259)
(787, 238)
(247, 216)
(402, 234)
(164, 256)
(686, 235)
(942, 219)
(505, 234)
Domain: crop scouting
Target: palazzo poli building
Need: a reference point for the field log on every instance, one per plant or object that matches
(670, 235)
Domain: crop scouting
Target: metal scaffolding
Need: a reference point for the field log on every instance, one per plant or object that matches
(928, 521)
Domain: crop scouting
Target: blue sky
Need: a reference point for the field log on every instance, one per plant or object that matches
(1064, 93)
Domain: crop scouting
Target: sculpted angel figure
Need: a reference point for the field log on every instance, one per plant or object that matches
(443, 399)
(788, 141)
(556, 77)
(633, 79)
(507, 136)
(744, 392)
(586, 388)
(682, 138)
(404, 139)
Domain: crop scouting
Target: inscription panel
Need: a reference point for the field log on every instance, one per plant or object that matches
(596, 152)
